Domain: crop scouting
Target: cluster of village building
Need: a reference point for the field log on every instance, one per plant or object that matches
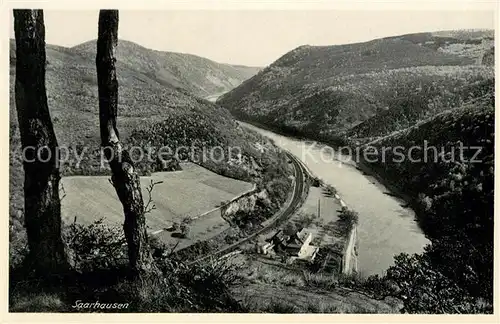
(293, 247)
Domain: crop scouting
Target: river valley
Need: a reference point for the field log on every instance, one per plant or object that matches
(385, 228)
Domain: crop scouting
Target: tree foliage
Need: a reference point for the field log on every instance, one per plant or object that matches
(424, 289)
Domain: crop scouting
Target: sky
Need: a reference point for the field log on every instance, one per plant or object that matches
(258, 37)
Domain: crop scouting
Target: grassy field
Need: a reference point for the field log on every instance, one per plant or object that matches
(187, 193)
(201, 229)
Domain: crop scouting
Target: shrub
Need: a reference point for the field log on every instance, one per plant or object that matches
(423, 288)
(316, 182)
(305, 220)
(185, 229)
(95, 246)
(290, 229)
(349, 217)
(102, 277)
(329, 191)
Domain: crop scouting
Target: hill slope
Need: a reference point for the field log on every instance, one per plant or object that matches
(71, 82)
(323, 91)
(196, 74)
(450, 181)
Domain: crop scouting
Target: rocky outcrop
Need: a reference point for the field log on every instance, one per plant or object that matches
(245, 203)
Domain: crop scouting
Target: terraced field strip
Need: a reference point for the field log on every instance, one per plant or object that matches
(187, 193)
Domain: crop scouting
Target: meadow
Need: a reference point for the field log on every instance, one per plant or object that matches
(181, 195)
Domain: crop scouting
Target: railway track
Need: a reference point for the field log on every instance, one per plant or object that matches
(279, 217)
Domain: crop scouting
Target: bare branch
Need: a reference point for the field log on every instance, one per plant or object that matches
(150, 206)
(61, 190)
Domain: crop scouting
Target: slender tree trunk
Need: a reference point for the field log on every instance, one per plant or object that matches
(124, 176)
(42, 206)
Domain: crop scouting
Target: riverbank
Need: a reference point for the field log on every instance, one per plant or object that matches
(385, 227)
(389, 186)
(393, 190)
(327, 230)
(291, 132)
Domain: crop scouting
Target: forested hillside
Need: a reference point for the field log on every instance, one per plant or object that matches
(196, 74)
(451, 183)
(324, 91)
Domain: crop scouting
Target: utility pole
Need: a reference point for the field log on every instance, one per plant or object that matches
(319, 207)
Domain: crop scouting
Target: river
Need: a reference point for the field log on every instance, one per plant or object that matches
(385, 227)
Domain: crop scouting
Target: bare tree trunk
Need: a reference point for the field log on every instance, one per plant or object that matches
(124, 176)
(42, 205)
